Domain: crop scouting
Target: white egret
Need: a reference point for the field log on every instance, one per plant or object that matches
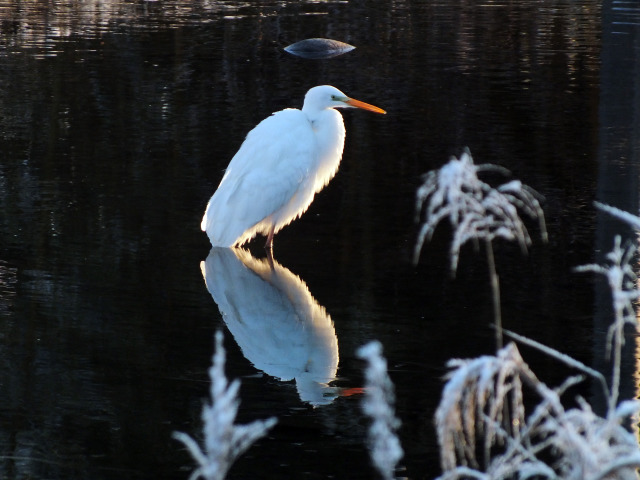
(284, 161)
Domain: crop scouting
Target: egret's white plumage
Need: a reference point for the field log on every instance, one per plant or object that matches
(284, 161)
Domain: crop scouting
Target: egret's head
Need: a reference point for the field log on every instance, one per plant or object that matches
(326, 96)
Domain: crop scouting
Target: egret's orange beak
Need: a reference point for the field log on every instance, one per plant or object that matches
(366, 106)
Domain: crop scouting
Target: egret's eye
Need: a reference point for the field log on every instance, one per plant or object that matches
(334, 98)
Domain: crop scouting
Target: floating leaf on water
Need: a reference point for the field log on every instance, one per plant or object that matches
(318, 48)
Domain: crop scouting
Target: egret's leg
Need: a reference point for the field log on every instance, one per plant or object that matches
(270, 258)
(269, 244)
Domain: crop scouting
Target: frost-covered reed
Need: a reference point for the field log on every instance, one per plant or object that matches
(477, 212)
(622, 281)
(224, 441)
(485, 432)
(384, 446)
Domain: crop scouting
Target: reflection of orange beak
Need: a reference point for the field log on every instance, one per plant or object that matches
(347, 392)
(366, 106)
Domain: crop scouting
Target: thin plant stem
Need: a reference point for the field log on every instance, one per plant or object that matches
(617, 356)
(562, 357)
(495, 294)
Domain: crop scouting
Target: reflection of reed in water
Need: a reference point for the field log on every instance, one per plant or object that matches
(278, 325)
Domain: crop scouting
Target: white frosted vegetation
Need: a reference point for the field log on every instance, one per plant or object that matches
(384, 445)
(485, 432)
(622, 282)
(475, 210)
(224, 441)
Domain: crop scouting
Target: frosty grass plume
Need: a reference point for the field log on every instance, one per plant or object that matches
(475, 210)
(224, 442)
(622, 282)
(482, 428)
(384, 446)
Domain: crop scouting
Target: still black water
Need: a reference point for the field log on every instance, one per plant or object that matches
(116, 122)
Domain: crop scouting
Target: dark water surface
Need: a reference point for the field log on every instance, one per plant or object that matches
(116, 122)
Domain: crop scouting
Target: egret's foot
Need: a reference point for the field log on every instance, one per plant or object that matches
(270, 258)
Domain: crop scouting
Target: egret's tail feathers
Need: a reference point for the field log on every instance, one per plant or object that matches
(219, 239)
(226, 227)
(224, 235)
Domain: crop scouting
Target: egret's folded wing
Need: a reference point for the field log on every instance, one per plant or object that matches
(272, 163)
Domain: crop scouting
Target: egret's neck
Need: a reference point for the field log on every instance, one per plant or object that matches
(329, 132)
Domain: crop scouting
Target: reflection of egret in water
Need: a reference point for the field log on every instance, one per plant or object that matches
(278, 325)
